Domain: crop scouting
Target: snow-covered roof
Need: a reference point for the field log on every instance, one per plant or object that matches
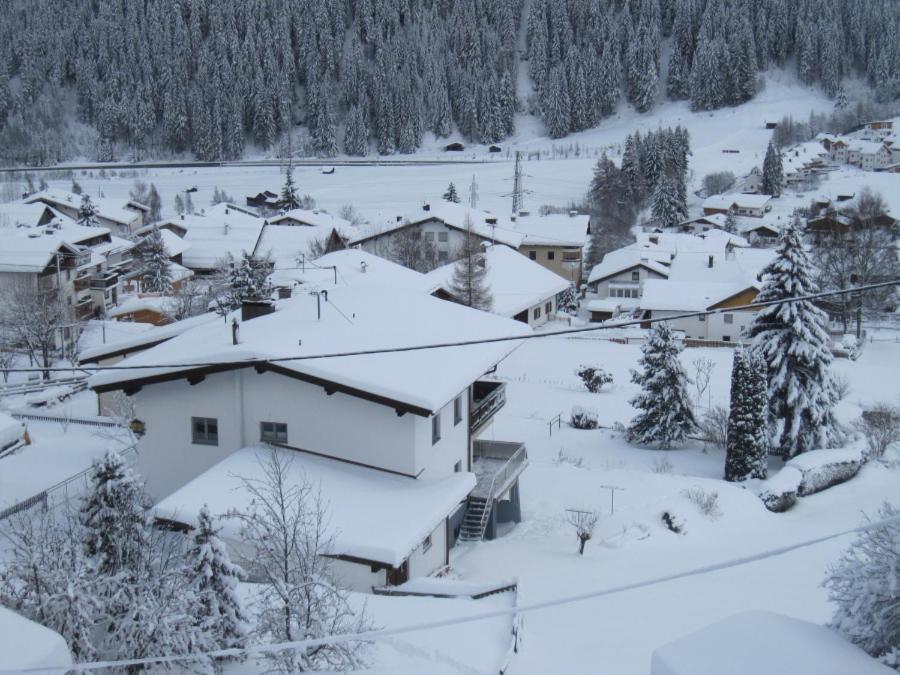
(217, 233)
(516, 283)
(711, 241)
(145, 338)
(22, 213)
(30, 249)
(25, 644)
(121, 211)
(610, 304)
(353, 318)
(314, 218)
(739, 200)
(558, 229)
(755, 642)
(624, 259)
(174, 244)
(371, 514)
(354, 268)
(740, 265)
(486, 225)
(286, 244)
(687, 296)
(717, 220)
(865, 147)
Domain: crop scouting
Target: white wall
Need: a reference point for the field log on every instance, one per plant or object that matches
(355, 576)
(439, 459)
(422, 563)
(625, 278)
(713, 327)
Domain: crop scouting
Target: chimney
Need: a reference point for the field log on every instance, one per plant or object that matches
(426, 207)
(235, 330)
(491, 220)
(711, 260)
(251, 309)
(399, 218)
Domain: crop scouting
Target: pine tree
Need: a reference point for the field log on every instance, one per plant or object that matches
(356, 136)
(631, 169)
(247, 280)
(557, 110)
(154, 263)
(214, 578)
(747, 445)
(840, 100)
(76, 188)
(793, 341)
(179, 204)
(289, 199)
(468, 283)
(114, 515)
(87, 212)
(668, 207)
(773, 172)
(450, 195)
(155, 204)
(730, 225)
(665, 416)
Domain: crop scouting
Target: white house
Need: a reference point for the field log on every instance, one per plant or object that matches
(520, 288)
(443, 224)
(868, 155)
(121, 216)
(395, 439)
(555, 241)
(752, 205)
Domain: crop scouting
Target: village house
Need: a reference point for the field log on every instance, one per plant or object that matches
(864, 154)
(311, 218)
(294, 246)
(555, 241)
(397, 442)
(753, 206)
(444, 225)
(520, 288)
(120, 216)
(878, 129)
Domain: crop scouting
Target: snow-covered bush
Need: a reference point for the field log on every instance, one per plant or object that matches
(562, 457)
(705, 500)
(821, 469)
(567, 300)
(673, 522)
(584, 418)
(779, 493)
(880, 426)
(584, 523)
(865, 585)
(594, 377)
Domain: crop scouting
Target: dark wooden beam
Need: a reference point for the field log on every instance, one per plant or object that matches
(195, 379)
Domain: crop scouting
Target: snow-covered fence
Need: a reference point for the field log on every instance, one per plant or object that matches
(103, 422)
(24, 505)
(78, 383)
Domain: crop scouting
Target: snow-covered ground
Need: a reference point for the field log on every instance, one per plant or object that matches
(618, 633)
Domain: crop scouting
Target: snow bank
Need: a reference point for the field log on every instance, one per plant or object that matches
(822, 469)
(25, 644)
(757, 642)
(50, 396)
(779, 493)
(11, 430)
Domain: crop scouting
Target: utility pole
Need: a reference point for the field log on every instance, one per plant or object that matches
(473, 193)
(517, 202)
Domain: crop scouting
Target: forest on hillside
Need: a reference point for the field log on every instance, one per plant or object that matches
(120, 79)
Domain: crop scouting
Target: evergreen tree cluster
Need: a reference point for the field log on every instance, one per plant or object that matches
(747, 444)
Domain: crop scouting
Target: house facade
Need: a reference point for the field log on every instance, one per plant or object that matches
(556, 242)
(402, 429)
(750, 205)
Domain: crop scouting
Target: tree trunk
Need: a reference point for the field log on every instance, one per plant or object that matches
(45, 354)
(581, 542)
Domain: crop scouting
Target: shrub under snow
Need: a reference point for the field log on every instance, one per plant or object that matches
(821, 469)
(779, 493)
(593, 377)
(865, 584)
(584, 418)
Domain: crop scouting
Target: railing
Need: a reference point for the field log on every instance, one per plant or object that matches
(487, 398)
(82, 283)
(516, 458)
(100, 283)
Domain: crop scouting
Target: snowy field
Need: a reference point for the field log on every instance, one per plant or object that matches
(559, 177)
(617, 634)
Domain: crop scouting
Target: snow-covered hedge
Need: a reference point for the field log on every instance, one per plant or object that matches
(779, 493)
(584, 418)
(822, 469)
(594, 377)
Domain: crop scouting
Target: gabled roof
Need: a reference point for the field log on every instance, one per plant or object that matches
(486, 225)
(688, 296)
(313, 218)
(352, 319)
(115, 210)
(747, 201)
(516, 283)
(31, 249)
(372, 515)
(145, 339)
(17, 213)
(217, 233)
(559, 229)
(631, 257)
(286, 245)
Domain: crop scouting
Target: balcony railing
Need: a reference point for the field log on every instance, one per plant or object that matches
(101, 282)
(497, 464)
(82, 283)
(488, 397)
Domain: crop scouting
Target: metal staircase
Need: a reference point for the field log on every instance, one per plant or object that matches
(475, 521)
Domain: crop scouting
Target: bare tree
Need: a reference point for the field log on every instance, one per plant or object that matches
(284, 531)
(881, 427)
(584, 523)
(703, 368)
(36, 319)
(8, 354)
(410, 249)
(468, 285)
(187, 300)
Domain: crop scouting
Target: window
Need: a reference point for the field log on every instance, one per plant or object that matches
(435, 428)
(729, 318)
(457, 468)
(273, 432)
(701, 318)
(548, 307)
(426, 544)
(443, 236)
(429, 236)
(536, 314)
(726, 338)
(532, 255)
(636, 276)
(205, 430)
(551, 255)
(457, 410)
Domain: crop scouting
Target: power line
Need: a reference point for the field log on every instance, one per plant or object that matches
(478, 341)
(380, 634)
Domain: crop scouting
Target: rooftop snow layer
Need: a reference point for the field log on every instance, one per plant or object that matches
(30, 249)
(25, 644)
(516, 283)
(287, 244)
(558, 229)
(314, 218)
(746, 201)
(371, 514)
(780, 645)
(146, 338)
(623, 259)
(353, 318)
(686, 296)
(220, 232)
(111, 209)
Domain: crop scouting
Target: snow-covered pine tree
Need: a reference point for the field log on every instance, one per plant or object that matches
(451, 195)
(667, 207)
(155, 204)
(747, 445)
(289, 199)
(840, 100)
(153, 263)
(666, 416)
(248, 279)
(792, 340)
(356, 136)
(773, 172)
(631, 169)
(179, 204)
(730, 224)
(557, 110)
(114, 515)
(212, 576)
(76, 188)
(87, 212)
(468, 283)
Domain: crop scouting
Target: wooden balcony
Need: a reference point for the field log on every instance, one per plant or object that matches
(487, 397)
